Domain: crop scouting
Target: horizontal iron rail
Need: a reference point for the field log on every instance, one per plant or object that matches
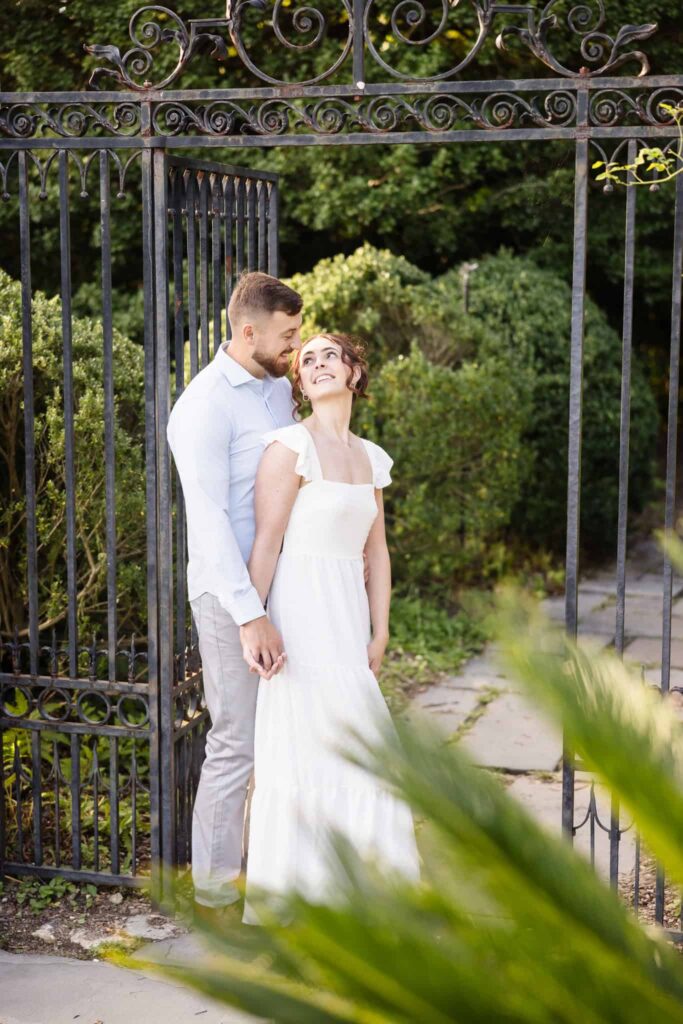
(223, 169)
(294, 91)
(73, 875)
(74, 728)
(564, 134)
(67, 683)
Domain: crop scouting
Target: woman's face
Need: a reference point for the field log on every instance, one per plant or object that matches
(322, 370)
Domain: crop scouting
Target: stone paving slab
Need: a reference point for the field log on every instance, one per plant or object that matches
(544, 800)
(446, 706)
(648, 651)
(654, 675)
(512, 735)
(57, 990)
(642, 617)
(554, 606)
(645, 584)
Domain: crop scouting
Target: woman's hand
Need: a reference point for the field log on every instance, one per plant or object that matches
(376, 649)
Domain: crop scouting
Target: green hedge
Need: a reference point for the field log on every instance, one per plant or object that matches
(526, 315)
(455, 436)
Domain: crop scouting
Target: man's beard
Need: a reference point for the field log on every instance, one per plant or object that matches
(273, 365)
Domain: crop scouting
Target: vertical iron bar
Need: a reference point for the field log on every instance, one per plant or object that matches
(251, 224)
(165, 528)
(625, 424)
(192, 328)
(624, 439)
(29, 415)
(69, 469)
(114, 804)
(575, 411)
(204, 265)
(19, 803)
(3, 810)
(58, 829)
(228, 213)
(179, 331)
(239, 230)
(273, 229)
(670, 492)
(262, 227)
(76, 801)
(95, 806)
(217, 272)
(151, 495)
(358, 42)
(671, 433)
(37, 794)
(134, 815)
(109, 444)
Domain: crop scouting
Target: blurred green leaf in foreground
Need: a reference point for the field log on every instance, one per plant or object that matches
(508, 924)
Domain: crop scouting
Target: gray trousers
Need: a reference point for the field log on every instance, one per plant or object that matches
(218, 819)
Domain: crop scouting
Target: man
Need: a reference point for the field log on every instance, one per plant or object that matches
(214, 433)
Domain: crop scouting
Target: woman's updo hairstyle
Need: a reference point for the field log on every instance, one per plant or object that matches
(353, 355)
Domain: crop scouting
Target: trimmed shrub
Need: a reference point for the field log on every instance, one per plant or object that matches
(525, 313)
(455, 436)
(384, 299)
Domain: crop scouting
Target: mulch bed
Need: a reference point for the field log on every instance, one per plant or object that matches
(104, 916)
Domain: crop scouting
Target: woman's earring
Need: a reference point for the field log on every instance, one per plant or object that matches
(304, 396)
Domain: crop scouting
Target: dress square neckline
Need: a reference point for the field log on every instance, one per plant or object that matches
(323, 480)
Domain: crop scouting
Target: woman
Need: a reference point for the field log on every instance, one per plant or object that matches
(319, 488)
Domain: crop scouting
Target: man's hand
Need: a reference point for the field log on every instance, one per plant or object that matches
(262, 647)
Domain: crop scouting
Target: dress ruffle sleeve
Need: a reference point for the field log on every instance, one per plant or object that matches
(297, 438)
(381, 464)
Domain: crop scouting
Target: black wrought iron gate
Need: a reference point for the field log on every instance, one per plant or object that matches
(102, 738)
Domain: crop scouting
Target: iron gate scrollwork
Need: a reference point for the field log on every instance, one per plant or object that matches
(103, 737)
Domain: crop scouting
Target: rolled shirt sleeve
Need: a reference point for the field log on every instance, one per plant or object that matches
(200, 443)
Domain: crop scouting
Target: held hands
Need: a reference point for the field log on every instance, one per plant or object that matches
(262, 647)
(376, 649)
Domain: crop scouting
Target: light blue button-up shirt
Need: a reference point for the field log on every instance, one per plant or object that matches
(214, 432)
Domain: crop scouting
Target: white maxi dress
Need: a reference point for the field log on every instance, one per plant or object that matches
(319, 603)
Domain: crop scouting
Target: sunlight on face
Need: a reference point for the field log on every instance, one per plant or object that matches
(322, 369)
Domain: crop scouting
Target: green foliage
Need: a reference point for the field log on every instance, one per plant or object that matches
(386, 300)
(88, 389)
(40, 894)
(446, 513)
(425, 641)
(526, 312)
(508, 922)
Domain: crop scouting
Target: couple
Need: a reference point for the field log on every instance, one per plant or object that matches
(283, 514)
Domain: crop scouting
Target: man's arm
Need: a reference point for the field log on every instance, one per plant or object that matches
(200, 445)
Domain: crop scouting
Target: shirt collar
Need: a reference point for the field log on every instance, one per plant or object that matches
(236, 374)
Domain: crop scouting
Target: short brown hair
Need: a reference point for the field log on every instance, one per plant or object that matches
(256, 292)
(353, 355)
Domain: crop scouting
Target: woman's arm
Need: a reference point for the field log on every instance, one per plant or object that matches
(378, 586)
(276, 488)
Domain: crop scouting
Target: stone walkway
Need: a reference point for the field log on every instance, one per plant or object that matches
(502, 730)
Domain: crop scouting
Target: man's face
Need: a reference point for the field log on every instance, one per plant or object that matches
(276, 336)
